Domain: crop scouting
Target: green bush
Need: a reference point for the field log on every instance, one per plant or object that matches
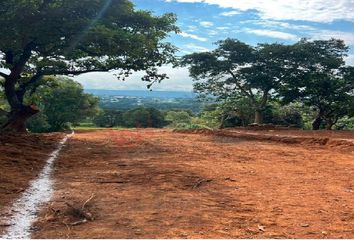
(144, 118)
(109, 118)
(63, 103)
(345, 123)
(38, 123)
(178, 118)
(287, 115)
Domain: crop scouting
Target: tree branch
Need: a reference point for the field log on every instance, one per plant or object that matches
(74, 72)
(3, 112)
(16, 71)
(3, 75)
(264, 98)
(20, 64)
(24, 86)
(243, 90)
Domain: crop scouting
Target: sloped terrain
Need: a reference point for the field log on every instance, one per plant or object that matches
(163, 184)
(22, 157)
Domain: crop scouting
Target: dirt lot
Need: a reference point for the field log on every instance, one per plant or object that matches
(22, 157)
(163, 184)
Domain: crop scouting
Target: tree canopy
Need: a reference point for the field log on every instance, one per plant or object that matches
(322, 80)
(312, 72)
(69, 37)
(236, 69)
(62, 101)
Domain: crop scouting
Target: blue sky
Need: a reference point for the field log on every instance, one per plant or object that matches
(203, 22)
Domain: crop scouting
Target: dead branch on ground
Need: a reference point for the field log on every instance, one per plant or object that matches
(81, 212)
(200, 182)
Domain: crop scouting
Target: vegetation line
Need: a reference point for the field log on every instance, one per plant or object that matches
(26, 207)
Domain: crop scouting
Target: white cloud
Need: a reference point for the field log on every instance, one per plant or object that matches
(193, 36)
(195, 48)
(206, 24)
(230, 13)
(213, 33)
(348, 37)
(350, 59)
(310, 10)
(272, 34)
(279, 25)
(273, 27)
(179, 80)
(191, 28)
(223, 28)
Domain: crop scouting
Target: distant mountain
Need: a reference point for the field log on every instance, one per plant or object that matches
(141, 93)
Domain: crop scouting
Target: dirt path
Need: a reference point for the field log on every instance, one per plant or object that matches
(154, 183)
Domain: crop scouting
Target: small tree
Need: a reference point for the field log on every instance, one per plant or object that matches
(109, 118)
(236, 69)
(61, 101)
(238, 109)
(178, 118)
(70, 37)
(144, 118)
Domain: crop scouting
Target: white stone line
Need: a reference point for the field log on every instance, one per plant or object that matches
(25, 209)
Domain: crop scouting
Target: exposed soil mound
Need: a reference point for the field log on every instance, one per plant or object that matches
(196, 131)
(322, 138)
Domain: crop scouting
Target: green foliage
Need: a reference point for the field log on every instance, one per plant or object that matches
(312, 72)
(237, 70)
(63, 103)
(39, 123)
(109, 118)
(208, 118)
(324, 82)
(193, 126)
(288, 115)
(160, 104)
(144, 118)
(83, 35)
(178, 119)
(238, 113)
(71, 37)
(346, 123)
(3, 108)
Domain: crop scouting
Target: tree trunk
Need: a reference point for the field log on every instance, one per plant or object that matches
(329, 125)
(222, 122)
(316, 124)
(330, 122)
(244, 122)
(17, 119)
(258, 117)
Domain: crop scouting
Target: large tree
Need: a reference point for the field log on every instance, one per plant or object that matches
(236, 70)
(69, 37)
(322, 81)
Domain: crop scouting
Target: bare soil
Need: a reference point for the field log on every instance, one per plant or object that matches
(22, 157)
(162, 184)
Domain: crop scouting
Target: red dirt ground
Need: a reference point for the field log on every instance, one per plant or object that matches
(22, 157)
(162, 184)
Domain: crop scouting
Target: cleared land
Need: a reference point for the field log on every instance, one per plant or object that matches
(157, 183)
(22, 157)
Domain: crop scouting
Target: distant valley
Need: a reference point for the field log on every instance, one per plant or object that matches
(162, 100)
(142, 93)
